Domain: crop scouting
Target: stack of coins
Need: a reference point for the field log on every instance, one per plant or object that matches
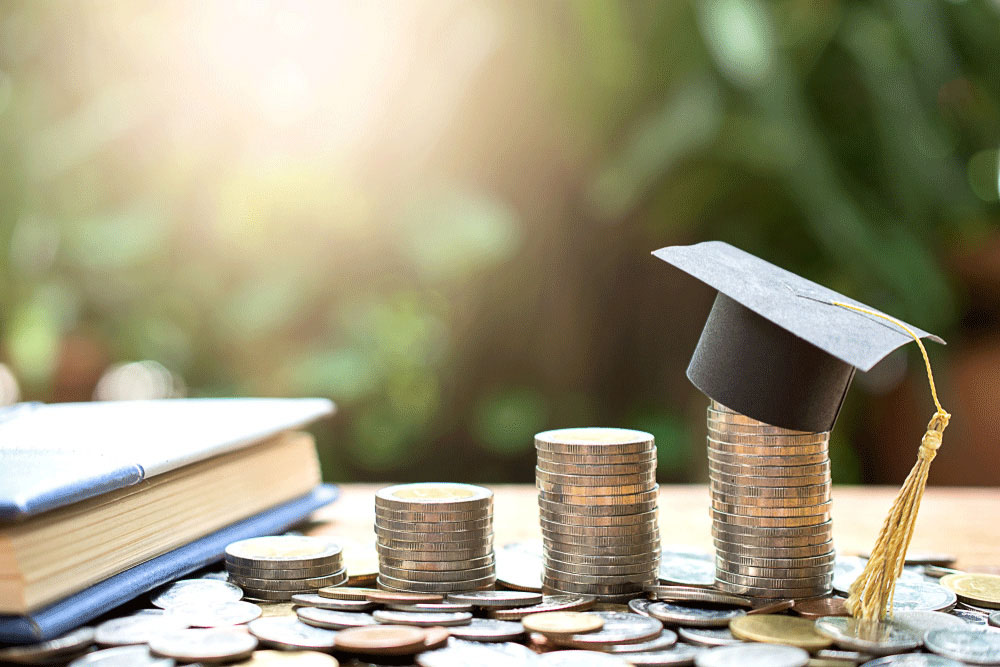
(435, 538)
(280, 566)
(597, 499)
(771, 521)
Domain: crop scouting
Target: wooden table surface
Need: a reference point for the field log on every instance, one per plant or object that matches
(964, 522)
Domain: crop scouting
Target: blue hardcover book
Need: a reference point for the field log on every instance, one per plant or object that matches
(77, 609)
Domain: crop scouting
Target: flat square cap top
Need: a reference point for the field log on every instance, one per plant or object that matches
(802, 307)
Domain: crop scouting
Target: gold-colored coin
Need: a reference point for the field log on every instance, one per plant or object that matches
(288, 659)
(562, 622)
(774, 629)
(982, 590)
(268, 609)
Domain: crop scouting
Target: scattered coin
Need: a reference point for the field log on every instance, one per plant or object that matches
(64, 647)
(460, 652)
(678, 654)
(875, 638)
(196, 590)
(913, 660)
(820, 607)
(489, 630)
(708, 636)
(388, 597)
(215, 614)
(922, 622)
(640, 606)
(122, 656)
(436, 638)
(291, 634)
(289, 659)
(580, 659)
(686, 568)
(971, 617)
(519, 566)
(382, 640)
(335, 620)
(422, 618)
(548, 603)
(672, 613)
(619, 627)
(979, 646)
(982, 590)
(137, 629)
(562, 622)
(753, 655)
(314, 600)
(431, 606)
(497, 599)
(205, 646)
(995, 619)
(775, 629)
(688, 594)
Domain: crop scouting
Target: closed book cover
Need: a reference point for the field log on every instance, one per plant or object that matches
(81, 607)
(58, 454)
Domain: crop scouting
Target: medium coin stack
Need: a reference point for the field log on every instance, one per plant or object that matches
(597, 500)
(435, 538)
(280, 566)
(770, 489)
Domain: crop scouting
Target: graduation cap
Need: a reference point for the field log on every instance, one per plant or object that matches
(783, 350)
(776, 347)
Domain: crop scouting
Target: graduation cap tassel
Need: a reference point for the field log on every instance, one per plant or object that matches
(872, 593)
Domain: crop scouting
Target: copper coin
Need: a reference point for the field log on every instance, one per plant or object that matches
(389, 597)
(435, 637)
(382, 640)
(820, 607)
(774, 607)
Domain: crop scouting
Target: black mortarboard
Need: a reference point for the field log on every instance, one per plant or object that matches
(775, 348)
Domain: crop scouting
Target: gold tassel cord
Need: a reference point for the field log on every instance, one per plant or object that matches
(872, 593)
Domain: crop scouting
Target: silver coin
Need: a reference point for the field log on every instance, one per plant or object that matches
(484, 551)
(314, 600)
(922, 595)
(881, 638)
(206, 646)
(215, 614)
(646, 568)
(678, 654)
(196, 590)
(619, 628)
(122, 656)
(433, 526)
(438, 565)
(453, 536)
(434, 495)
(497, 599)
(994, 619)
(335, 620)
(136, 629)
(461, 652)
(436, 575)
(286, 632)
(284, 552)
(275, 573)
(695, 595)
(972, 617)
(67, 645)
(519, 566)
(436, 586)
(847, 569)
(922, 622)
(753, 655)
(913, 660)
(569, 585)
(853, 657)
(661, 642)
(686, 570)
(708, 636)
(431, 606)
(640, 606)
(488, 630)
(422, 618)
(579, 659)
(571, 602)
(672, 613)
(979, 646)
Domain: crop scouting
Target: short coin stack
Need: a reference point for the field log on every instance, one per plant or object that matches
(771, 521)
(278, 567)
(435, 537)
(597, 499)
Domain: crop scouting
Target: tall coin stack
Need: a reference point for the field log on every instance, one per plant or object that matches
(771, 523)
(280, 566)
(435, 537)
(597, 500)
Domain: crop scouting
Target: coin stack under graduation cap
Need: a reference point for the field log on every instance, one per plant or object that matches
(280, 566)
(435, 537)
(771, 523)
(597, 500)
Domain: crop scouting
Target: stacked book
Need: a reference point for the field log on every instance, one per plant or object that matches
(101, 502)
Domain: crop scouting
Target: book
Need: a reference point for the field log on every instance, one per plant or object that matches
(90, 490)
(83, 606)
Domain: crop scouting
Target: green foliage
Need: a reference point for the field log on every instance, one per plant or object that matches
(439, 213)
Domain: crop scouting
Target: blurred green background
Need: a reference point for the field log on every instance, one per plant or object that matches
(440, 213)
